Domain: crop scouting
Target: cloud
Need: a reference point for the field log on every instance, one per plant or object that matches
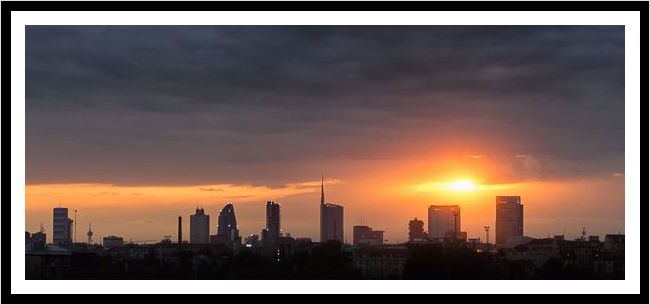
(269, 105)
(73, 194)
(475, 157)
(210, 189)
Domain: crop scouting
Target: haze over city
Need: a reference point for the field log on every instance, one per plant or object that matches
(136, 125)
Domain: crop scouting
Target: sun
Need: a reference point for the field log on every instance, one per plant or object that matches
(464, 185)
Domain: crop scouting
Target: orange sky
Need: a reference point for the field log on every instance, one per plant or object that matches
(387, 197)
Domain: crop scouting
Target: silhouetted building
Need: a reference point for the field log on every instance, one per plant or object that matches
(112, 242)
(443, 220)
(272, 231)
(38, 240)
(416, 229)
(199, 227)
(365, 235)
(332, 222)
(331, 219)
(284, 248)
(386, 262)
(509, 219)
(62, 227)
(227, 232)
(35, 242)
(474, 243)
(251, 240)
(50, 263)
(614, 242)
(459, 236)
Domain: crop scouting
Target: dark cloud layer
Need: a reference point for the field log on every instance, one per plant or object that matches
(267, 104)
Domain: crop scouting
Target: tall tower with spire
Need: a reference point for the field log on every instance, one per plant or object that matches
(323, 219)
(322, 190)
(331, 218)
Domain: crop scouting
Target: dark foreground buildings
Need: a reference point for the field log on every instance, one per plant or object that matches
(300, 258)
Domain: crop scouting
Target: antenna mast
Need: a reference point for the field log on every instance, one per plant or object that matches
(487, 234)
(75, 227)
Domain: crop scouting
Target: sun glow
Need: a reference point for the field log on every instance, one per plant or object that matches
(456, 186)
(464, 185)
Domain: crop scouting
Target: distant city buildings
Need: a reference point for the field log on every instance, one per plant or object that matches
(443, 221)
(227, 232)
(199, 227)
(509, 219)
(331, 219)
(62, 227)
(416, 229)
(112, 242)
(365, 235)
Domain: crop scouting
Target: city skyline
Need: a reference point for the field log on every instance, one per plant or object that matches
(137, 127)
(445, 253)
(442, 221)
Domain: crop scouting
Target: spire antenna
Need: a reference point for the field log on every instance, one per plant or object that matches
(322, 189)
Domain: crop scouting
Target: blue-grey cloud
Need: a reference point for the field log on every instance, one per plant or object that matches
(184, 104)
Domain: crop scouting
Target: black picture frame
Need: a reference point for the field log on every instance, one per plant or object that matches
(7, 7)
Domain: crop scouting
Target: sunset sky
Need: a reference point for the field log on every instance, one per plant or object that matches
(134, 126)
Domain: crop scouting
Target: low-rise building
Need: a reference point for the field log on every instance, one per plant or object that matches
(385, 262)
(112, 242)
(365, 235)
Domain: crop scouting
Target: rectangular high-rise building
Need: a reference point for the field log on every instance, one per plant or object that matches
(331, 222)
(62, 227)
(200, 227)
(509, 220)
(444, 221)
(272, 220)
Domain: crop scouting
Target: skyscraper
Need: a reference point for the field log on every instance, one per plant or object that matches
(62, 227)
(510, 219)
(331, 218)
(272, 223)
(227, 232)
(199, 227)
(444, 220)
(416, 229)
(180, 229)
